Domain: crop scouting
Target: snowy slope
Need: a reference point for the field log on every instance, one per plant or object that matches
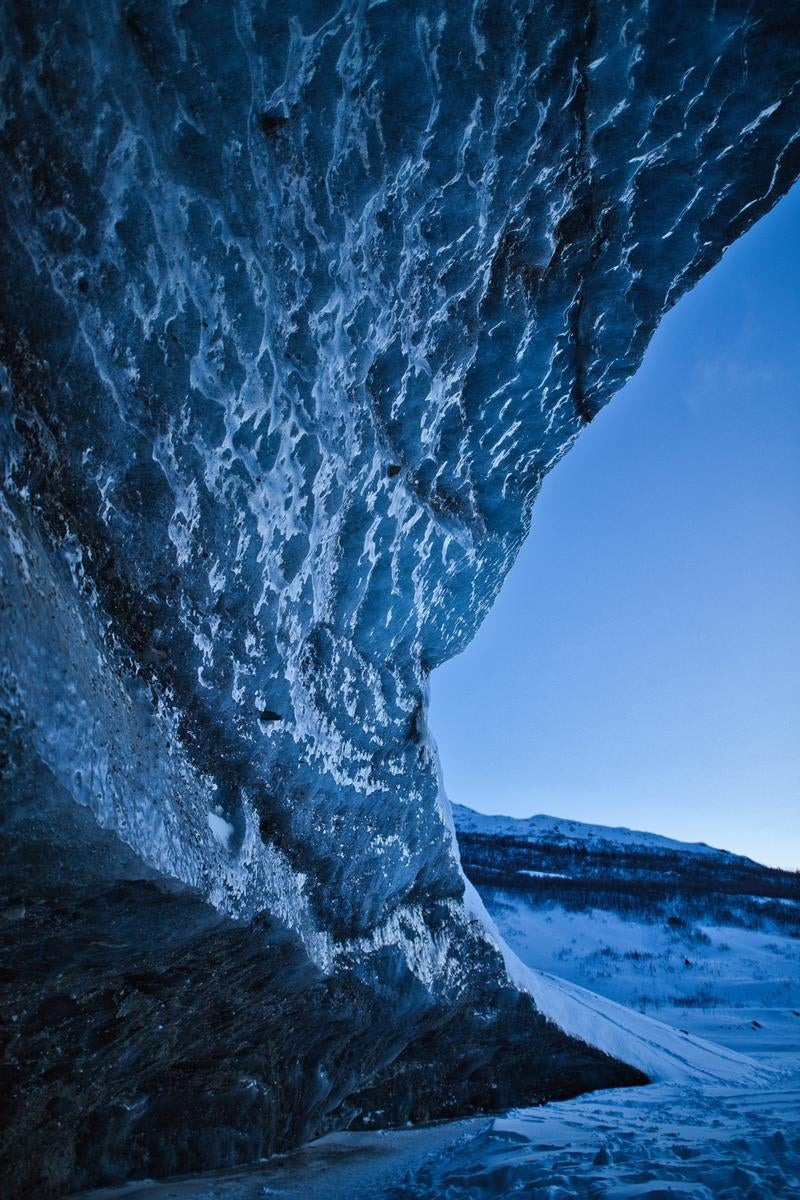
(637, 928)
(663, 1053)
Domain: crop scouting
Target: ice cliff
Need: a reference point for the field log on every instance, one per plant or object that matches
(299, 304)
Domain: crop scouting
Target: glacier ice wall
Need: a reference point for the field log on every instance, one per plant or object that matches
(300, 302)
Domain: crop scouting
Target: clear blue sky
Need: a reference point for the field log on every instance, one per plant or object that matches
(641, 666)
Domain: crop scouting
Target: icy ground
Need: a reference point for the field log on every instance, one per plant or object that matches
(659, 1141)
(342, 1166)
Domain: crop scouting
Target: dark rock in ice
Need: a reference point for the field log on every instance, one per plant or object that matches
(253, 259)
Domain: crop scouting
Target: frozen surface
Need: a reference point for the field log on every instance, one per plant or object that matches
(657, 1049)
(737, 1142)
(341, 1166)
(662, 1141)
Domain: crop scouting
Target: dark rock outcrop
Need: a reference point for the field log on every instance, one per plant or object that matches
(299, 304)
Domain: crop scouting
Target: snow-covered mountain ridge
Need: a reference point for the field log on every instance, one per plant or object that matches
(545, 859)
(545, 829)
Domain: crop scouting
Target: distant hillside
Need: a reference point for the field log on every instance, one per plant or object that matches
(541, 828)
(553, 860)
(702, 938)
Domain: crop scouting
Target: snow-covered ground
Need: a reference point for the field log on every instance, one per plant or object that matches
(711, 1011)
(666, 1140)
(711, 980)
(687, 1135)
(735, 982)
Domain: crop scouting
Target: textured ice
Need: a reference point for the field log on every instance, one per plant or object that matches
(300, 302)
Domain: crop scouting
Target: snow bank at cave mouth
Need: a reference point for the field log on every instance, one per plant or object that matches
(664, 1054)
